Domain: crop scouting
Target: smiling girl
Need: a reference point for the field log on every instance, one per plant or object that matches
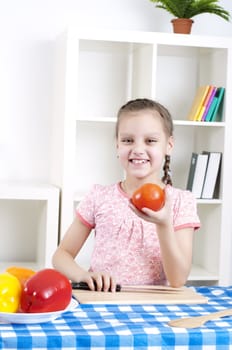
(134, 247)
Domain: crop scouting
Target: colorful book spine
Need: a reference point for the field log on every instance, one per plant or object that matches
(200, 114)
(208, 101)
(197, 102)
(207, 104)
(211, 109)
(217, 113)
(215, 109)
(204, 104)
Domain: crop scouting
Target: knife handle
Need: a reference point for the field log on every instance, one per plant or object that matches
(84, 286)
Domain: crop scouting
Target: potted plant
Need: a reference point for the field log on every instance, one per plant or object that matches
(185, 10)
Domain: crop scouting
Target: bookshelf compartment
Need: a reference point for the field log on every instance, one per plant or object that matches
(26, 245)
(187, 68)
(27, 230)
(193, 138)
(207, 240)
(97, 86)
(123, 70)
(29, 225)
(209, 139)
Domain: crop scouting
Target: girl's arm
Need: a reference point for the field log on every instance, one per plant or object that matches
(176, 252)
(64, 259)
(175, 246)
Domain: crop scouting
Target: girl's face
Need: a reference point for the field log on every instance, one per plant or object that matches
(142, 144)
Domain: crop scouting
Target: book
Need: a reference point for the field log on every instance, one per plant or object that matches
(197, 102)
(212, 174)
(200, 114)
(217, 112)
(212, 88)
(204, 104)
(192, 168)
(197, 173)
(208, 101)
(211, 109)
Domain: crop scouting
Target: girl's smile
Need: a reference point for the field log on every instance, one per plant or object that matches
(138, 161)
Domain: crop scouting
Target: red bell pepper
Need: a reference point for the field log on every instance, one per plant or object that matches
(46, 291)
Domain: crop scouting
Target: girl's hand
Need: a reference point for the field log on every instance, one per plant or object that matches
(99, 281)
(161, 217)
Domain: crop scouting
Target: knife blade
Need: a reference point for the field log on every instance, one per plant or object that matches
(132, 288)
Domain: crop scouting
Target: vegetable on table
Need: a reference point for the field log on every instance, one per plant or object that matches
(47, 290)
(10, 293)
(21, 273)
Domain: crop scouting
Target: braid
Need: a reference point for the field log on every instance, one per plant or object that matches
(167, 172)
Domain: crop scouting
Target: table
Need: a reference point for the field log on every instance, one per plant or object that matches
(126, 327)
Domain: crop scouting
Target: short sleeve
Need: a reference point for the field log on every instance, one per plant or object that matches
(185, 210)
(86, 208)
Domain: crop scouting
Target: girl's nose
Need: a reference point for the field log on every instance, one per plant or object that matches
(138, 150)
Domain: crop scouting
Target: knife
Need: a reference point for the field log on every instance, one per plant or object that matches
(130, 288)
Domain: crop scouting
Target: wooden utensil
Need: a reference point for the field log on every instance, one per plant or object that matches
(198, 321)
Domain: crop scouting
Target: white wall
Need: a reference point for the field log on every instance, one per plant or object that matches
(27, 32)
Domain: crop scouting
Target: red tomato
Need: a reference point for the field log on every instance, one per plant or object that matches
(46, 291)
(148, 196)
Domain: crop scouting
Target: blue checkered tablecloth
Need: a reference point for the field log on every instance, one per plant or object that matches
(126, 327)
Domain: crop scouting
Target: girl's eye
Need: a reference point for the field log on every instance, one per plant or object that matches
(127, 140)
(151, 141)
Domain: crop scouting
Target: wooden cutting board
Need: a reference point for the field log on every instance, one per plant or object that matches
(182, 296)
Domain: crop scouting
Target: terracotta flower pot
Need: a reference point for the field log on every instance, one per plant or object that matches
(182, 25)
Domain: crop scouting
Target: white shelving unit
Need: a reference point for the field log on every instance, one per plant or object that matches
(29, 216)
(97, 72)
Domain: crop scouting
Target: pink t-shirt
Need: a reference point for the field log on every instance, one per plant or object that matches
(127, 246)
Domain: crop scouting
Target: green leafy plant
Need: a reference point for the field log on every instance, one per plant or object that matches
(191, 8)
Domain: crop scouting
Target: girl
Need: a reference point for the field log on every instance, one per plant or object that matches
(133, 247)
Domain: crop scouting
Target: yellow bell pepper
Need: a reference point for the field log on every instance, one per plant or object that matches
(10, 293)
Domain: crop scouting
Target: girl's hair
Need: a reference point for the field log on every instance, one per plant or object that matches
(167, 179)
(142, 104)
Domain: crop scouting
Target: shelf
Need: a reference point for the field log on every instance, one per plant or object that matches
(209, 201)
(200, 274)
(164, 39)
(27, 191)
(199, 124)
(175, 122)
